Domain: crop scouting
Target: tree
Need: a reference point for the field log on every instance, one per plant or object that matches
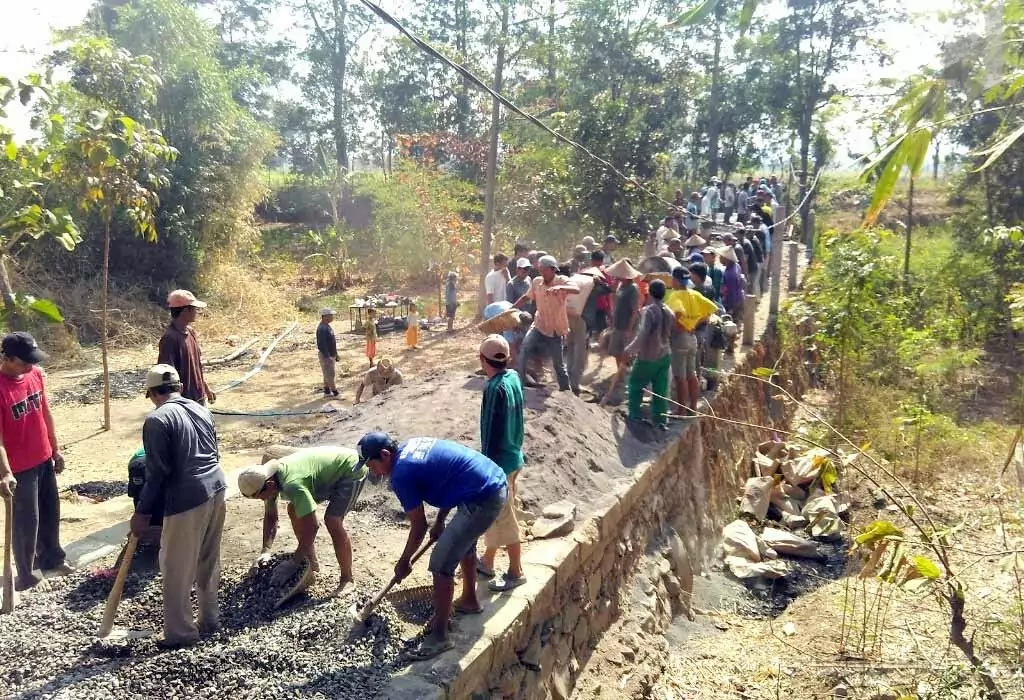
(118, 161)
(27, 171)
(336, 27)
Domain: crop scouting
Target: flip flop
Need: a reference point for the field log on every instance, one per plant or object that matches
(461, 610)
(482, 569)
(507, 583)
(428, 650)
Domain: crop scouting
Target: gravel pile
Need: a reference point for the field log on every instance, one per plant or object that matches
(310, 648)
(99, 491)
(123, 385)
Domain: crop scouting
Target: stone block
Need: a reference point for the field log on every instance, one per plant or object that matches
(588, 535)
(609, 512)
(629, 494)
(562, 555)
(643, 476)
(594, 585)
(581, 637)
(608, 560)
(538, 591)
(461, 672)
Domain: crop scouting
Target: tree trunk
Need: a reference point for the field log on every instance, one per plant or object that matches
(910, 229)
(7, 292)
(492, 156)
(104, 322)
(935, 159)
(805, 205)
(989, 211)
(339, 69)
(552, 74)
(714, 112)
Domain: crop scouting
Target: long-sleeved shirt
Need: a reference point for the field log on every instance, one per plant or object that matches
(326, 343)
(652, 341)
(732, 288)
(180, 350)
(182, 458)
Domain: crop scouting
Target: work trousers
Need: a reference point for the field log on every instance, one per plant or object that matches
(190, 555)
(536, 343)
(36, 524)
(654, 373)
(578, 346)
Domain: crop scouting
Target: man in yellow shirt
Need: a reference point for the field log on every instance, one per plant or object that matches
(691, 308)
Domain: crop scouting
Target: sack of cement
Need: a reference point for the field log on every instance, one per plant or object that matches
(788, 544)
(794, 521)
(804, 469)
(823, 518)
(738, 540)
(784, 502)
(771, 448)
(741, 568)
(756, 497)
(764, 465)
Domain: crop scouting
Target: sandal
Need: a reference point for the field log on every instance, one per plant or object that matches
(482, 569)
(462, 610)
(429, 649)
(507, 583)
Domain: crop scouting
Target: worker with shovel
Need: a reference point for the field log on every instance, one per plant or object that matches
(183, 473)
(304, 478)
(446, 475)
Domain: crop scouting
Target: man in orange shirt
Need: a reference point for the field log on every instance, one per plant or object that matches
(551, 322)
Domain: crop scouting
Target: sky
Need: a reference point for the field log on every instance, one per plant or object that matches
(912, 46)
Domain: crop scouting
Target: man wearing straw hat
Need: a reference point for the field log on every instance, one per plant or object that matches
(551, 321)
(733, 288)
(625, 315)
(379, 379)
(305, 478)
(694, 242)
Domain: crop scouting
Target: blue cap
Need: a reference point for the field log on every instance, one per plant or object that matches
(370, 446)
(696, 257)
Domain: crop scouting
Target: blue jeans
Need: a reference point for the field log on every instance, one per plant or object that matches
(536, 342)
(460, 535)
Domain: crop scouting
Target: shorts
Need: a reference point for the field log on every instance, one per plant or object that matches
(449, 310)
(505, 530)
(327, 368)
(459, 537)
(346, 493)
(684, 358)
(617, 343)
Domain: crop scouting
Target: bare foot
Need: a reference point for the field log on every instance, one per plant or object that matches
(342, 584)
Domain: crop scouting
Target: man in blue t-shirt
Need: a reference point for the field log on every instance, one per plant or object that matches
(446, 475)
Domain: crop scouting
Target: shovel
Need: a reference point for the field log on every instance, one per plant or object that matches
(360, 616)
(8, 604)
(106, 630)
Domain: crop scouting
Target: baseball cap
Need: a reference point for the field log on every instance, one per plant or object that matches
(24, 347)
(548, 261)
(370, 446)
(252, 478)
(327, 311)
(681, 274)
(161, 375)
(522, 262)
(611, 239)
(710, 251)
(181, 298)
(495, 348)
(580, 249)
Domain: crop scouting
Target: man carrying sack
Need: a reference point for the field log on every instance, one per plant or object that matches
(446, 475)
(304, 478)
(183, 472)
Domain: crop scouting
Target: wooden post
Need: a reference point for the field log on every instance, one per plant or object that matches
(749, 308)
(775, 263)
(794, 262)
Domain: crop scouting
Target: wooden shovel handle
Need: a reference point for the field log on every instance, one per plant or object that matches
(8, 604)
(114, 599)
(365, 613)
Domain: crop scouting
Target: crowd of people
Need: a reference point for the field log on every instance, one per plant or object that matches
(661, 322)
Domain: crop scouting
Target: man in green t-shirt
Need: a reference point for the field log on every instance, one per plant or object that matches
(304, 479)
(501, 438)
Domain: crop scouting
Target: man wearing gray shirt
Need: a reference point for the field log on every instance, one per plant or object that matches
(183, 469)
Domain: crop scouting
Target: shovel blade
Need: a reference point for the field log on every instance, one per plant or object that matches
(118, 634)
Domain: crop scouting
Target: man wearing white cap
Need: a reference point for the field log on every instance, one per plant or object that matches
(550, 322)
(520, 283)
(327, 350)
(179, 346)
(183, 474)
(304, 478)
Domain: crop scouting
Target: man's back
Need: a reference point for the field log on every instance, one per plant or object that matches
(180, 349)
(182, 457)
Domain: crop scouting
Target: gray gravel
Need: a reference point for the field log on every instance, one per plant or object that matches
(308, 649)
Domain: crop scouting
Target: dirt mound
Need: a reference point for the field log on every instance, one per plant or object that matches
(574, 450)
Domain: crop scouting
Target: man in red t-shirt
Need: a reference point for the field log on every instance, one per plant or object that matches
(29, 461)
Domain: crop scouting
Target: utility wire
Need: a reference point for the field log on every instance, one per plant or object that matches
(479, 83)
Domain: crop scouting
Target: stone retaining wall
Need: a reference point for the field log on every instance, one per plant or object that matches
(534, 642)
